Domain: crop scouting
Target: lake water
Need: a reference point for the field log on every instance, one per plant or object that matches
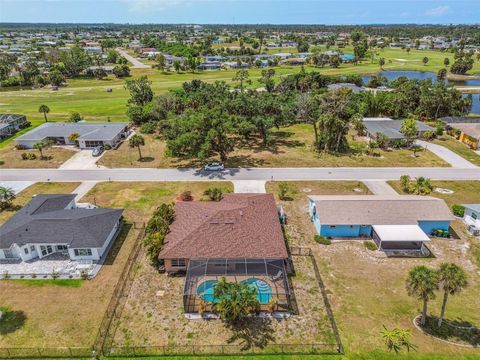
(423, 75)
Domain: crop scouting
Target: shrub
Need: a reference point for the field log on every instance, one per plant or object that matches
(84, 274)
(6, 275)
(458, 210)
(55, 274)
(186, 196)
(322, 240)
(285, 192)
(158, 226)
(148, 128)
(107, 147)
(428, 135)
(214, 194)
(28, 156)
(370, 245)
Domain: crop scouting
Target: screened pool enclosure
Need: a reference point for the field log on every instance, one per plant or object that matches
(267, 276)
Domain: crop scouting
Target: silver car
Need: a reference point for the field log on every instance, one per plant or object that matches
(214, 166)
(97, 151)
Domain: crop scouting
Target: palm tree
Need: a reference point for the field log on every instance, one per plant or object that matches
(7, 195)
(381, 62)
(235, 300)
(137, 141)
(45, 110)
(40, 146)
(397, 338)
(422, 283)
(451, 280)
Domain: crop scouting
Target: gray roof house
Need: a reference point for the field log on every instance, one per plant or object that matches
(52, 223)
(390, 128)
(11, 123)
(91, 134)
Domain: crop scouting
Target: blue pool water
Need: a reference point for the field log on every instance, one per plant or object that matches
(206, 289)
(264, 291)
(347, 56)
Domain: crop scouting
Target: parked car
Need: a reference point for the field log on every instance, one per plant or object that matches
(214, 166)
(97, 151)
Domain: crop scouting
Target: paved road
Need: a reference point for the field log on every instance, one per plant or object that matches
(447, 155)
(236, 174)
(137, 64)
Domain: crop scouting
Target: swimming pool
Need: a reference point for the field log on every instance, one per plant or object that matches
(206, 289)
(264, 291)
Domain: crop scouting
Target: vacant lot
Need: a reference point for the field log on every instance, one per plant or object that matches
(290, 147)
(53, 158)
(38, 188)
(368, 291)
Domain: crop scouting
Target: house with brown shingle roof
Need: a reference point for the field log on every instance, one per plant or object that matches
(238, 238)
(239, 226)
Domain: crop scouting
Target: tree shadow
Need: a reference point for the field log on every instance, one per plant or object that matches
(457, 330)
(12, 321)
(46, 158)
(146, 159)
(252, 332)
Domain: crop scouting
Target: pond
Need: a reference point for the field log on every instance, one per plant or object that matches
(421, 75)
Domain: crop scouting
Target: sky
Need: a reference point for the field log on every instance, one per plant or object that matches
(242, 11)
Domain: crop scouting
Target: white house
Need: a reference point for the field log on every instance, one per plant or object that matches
(52, 223)
(472, 218)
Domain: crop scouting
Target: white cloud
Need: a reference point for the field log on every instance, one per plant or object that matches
(437, 11)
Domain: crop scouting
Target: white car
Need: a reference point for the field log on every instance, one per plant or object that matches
(214, 166)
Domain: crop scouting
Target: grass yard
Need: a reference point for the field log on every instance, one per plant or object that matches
(67, 314)
(368, 291)
(140, 199)
(290, 147)
(459, 148)
(38, 188)
(53, 157)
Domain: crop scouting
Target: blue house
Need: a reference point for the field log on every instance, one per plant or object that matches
(393, 222)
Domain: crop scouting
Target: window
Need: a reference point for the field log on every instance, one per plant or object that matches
(474, 216)
(32, 248)
(61, 247)
(46, 250)
(26, 250)
(178, 263)
(83, 252)
(92, 143)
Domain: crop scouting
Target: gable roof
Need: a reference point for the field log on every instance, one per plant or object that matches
(45, 219)
(380, 209)
(473, 207)
(87, 130)
(238, 226)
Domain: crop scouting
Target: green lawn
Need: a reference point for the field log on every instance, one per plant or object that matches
(458, 148)
(90, 98)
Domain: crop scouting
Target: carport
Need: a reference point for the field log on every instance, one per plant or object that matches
(399, 237)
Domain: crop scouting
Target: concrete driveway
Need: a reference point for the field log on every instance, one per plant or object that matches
(82, 160)
(249, 186)
(136, 64)
(16, 186)
(447, 155)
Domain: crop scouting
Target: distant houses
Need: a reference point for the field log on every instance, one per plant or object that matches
(468, 128)
(11, 123)
(471, 218)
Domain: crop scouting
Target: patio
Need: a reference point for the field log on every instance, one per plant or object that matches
(45, 267)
